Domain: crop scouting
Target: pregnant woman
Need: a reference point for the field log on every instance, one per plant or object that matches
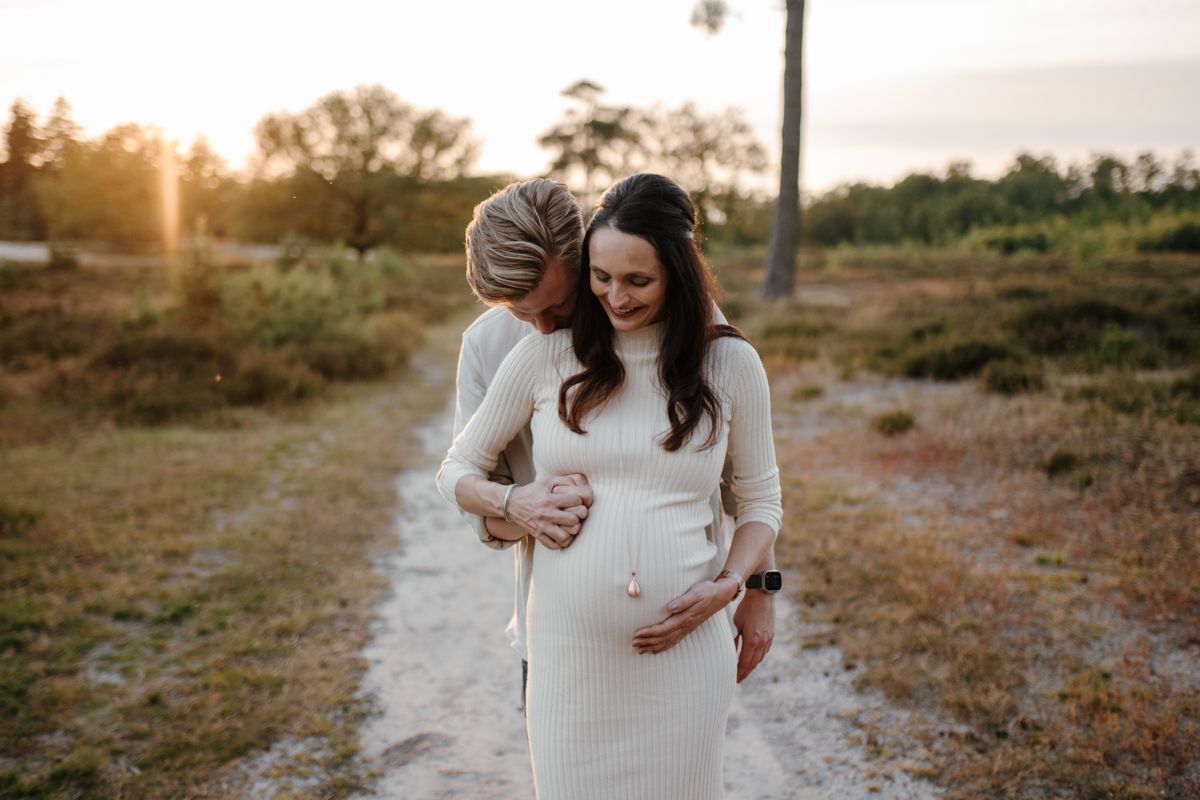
(644, 395)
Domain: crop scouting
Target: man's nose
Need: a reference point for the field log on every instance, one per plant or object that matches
(544, 322)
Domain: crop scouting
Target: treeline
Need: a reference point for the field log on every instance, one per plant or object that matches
(360, 168)
(364, 169)
(1023, 209)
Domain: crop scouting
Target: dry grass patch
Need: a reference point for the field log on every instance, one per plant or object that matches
(175, 600)
(1019, 565)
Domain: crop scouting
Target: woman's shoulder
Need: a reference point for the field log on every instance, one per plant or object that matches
(733, 352)
(543, 348)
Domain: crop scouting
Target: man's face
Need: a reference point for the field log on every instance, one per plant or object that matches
(548, 307)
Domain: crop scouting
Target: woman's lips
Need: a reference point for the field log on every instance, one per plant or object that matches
(626, 313)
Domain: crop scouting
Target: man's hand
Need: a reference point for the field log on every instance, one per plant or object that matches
(552, 509)
(755, 623)
(687, 612)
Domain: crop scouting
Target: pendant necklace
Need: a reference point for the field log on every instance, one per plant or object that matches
(634, 589)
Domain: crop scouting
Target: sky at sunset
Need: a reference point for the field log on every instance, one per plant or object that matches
(892, 85)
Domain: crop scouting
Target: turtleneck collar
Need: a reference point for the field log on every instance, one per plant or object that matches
(646, 340)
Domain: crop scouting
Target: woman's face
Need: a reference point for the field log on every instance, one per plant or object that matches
(628, 278)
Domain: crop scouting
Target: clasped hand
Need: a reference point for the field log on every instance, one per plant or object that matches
(552, 510)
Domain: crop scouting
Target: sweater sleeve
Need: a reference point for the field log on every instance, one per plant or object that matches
(751, 443)
(504, 411)
(470, 388)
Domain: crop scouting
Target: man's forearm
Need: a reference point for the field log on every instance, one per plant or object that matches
(501, 529)
(477, 495)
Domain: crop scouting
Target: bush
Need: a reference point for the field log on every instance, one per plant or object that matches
(200, 290)
(795, 329)
(1060, 462)
(892, 423)
(273, 307)
(1121, 393)
(1016, 239)
(47, 334)
(1057, 328)
(1187, 387)
(928, 330)
(1012, 377)
(809, 391)
(1185, 399)
(956, 360)
(63, 256)
(1020, 293)
(183, 351)
(1119, 347)
(1187, 307)
(155, 377)
(262, 379)
(16, 522)
(346, 360)
(1182, 236)
(1178, 399)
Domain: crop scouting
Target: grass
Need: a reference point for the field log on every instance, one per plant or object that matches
(177, 597)
(87, 346)
(1020, 568)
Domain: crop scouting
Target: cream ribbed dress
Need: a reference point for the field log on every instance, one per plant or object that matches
(606, 723)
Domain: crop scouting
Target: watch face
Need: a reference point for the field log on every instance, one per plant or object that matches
(772, 580)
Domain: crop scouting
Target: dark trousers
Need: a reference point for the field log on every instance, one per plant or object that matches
(524, 682)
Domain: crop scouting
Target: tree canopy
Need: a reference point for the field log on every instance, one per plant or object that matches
(350, 151)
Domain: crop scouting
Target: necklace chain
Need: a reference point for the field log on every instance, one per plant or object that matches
(634, 589)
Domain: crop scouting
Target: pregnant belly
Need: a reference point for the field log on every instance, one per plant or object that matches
(582, 589)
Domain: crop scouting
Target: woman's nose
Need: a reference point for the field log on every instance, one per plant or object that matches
(616, 296)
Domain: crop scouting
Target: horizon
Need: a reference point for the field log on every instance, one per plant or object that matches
(965, 82)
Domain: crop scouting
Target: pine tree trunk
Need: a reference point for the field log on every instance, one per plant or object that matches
(785, 227)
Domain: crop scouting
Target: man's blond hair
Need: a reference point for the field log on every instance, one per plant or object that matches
(515, 233)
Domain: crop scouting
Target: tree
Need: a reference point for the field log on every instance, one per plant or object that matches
(60, 135)
(595, 140)
(1033, 188)
(709, 154)
(785, 225)
(348, 144)
(19, 213)
(204, 190)
(108, 189)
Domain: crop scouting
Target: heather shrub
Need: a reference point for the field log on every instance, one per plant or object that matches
(892, 423)
(1012, 377)
(950, 361)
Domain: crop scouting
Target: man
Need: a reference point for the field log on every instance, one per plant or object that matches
(523, 256)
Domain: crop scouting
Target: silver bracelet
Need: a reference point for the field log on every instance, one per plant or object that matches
(507, 497)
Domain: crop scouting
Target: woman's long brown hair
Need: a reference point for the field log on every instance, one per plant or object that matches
(658, 210)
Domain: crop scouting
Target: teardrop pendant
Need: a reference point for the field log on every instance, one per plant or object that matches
(634, 590)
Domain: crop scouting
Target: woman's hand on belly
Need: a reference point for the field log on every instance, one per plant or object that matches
(686, 613)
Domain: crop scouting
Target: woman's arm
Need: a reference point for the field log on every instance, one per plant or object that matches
(759, 499)
(503, 411)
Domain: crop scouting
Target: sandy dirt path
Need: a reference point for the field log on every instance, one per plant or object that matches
(448, 683)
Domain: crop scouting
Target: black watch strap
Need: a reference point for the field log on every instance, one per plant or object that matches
(768, 581)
